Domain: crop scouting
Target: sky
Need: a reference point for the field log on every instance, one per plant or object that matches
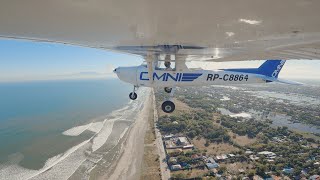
(27, 61)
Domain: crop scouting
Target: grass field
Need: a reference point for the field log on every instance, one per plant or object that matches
(214, 148)
(189, 173)
(242, 140)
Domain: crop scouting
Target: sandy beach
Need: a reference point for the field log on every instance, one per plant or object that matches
(128, 166)
(114, 150)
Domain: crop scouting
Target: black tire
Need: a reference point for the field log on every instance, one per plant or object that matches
(133, 96)
(167, 89)
(168, 107)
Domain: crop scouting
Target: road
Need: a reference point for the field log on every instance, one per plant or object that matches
(165, 172)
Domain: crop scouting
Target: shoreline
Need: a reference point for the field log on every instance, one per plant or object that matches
(118, 140)
(129, 160)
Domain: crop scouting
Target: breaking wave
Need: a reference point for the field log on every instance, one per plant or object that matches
(63, 165)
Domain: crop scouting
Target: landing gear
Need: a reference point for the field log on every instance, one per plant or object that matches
(168, 106)
(167, 89)
(133, 95)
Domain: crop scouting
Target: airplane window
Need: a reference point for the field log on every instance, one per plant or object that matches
(163, 65)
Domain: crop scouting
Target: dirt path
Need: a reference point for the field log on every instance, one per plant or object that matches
(165, 172)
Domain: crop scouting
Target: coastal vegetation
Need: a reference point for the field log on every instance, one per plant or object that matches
(293, 154)
(194, 124)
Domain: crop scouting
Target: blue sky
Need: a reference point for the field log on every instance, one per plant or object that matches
(25, 60)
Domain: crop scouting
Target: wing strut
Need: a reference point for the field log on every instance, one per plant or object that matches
(180, 63)
(150, 59)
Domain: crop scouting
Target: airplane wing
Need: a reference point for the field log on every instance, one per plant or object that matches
(207, 30)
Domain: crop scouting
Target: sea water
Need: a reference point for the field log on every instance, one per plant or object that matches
(33, 116)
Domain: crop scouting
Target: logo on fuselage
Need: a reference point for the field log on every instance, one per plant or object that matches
(184, 77)
(279, 67)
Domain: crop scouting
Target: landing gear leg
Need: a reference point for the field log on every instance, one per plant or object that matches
(168, 106)
(133, 95)
(167, 89)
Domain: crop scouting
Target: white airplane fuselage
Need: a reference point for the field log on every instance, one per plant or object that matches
(167, 78)
(138, 76)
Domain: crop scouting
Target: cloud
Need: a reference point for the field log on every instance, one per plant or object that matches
(249, 21)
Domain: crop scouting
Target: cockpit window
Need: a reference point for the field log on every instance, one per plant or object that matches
(165, 65)
(144, 64)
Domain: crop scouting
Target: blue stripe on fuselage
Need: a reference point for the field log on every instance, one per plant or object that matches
(168, 76)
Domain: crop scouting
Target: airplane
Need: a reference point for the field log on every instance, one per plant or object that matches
(176, 32)
(169, 77)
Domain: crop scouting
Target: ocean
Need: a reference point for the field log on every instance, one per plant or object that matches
(33, 116)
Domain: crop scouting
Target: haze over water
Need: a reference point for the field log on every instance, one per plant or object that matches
(33, 116)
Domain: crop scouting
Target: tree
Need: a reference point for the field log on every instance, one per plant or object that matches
(251, 173)
(207, 143)
(192, 134)
(178, 176)
(182, 158)
(261, 169)
(222, 169)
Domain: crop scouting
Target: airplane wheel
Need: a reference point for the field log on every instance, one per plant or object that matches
(168, 107)
(133, 95)
(167, 89)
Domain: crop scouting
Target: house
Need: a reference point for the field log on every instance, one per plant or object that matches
(215, 171)
(256, 177)
(267, 153)
(173, 160)
(218, 158)
(248, 152)
(221, 157)
(268, 178)
(176, 167)
(231, 155)
(253, 157)
(204, 158)
(167, 137)
(241, 170)
(190, 146)
(182, 141)
(211, 160)
(287, 170)
(195, 156)
(212, 165)
(224, 156)
(314, 177)
(277, 139)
